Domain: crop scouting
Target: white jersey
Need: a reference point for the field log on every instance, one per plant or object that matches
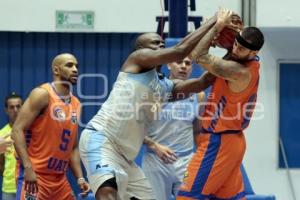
(174, 127)
(134, 100)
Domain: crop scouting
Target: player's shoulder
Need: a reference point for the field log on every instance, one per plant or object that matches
(38, 97)
(39, 93)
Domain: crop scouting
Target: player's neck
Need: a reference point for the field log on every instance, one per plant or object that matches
(61, 88)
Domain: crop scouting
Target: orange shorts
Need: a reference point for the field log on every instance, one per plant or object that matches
(214, 171)
(50, 186)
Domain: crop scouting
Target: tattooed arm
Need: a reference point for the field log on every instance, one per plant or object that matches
(227, 69)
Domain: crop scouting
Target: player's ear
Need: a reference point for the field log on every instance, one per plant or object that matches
(55, 70)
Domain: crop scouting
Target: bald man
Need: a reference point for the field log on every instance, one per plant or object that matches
(114, 136)
(45, 135)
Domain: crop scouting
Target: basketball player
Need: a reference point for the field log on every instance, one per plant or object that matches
(114, 136)
(214, 171)
(170, 138)
(45, 135)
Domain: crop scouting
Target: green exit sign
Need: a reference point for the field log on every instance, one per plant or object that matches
(75, 20)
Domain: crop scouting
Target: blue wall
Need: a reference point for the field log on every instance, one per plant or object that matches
(25, 59)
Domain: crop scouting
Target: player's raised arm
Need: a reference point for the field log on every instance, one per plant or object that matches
(194, 85)
(227, 69)
(33, 106)
(150, 52)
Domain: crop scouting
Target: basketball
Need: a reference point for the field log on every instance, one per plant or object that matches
(226, 38)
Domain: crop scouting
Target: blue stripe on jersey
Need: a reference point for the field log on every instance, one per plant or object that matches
(220, 108)
(249, 108)
(205, 169)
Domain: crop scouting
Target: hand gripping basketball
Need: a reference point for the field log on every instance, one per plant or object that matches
(227, 36)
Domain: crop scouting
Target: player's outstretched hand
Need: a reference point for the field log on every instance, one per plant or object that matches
(224, 17)
(236, 23)
(227, 18)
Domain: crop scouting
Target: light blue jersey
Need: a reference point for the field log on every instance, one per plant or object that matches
(174, 127)
(134, 101)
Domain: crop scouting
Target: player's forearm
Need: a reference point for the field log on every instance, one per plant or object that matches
(75, 163)
(190, 41)
(228, 70)
(204, 44)
(21, 147)
(149, 142)
(183, 89)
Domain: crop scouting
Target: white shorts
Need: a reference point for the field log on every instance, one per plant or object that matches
(165, 179)
(102, 161)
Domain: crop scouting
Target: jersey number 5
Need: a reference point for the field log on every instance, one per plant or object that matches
(65, 137)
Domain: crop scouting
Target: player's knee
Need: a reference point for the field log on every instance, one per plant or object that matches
(106, 193)
(108, 190)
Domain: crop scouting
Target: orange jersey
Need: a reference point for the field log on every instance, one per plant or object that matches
(214, 171)
(51, 137)
(227, 111)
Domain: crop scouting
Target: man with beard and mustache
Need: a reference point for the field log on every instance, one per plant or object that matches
(214, 171)
(45, 135)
